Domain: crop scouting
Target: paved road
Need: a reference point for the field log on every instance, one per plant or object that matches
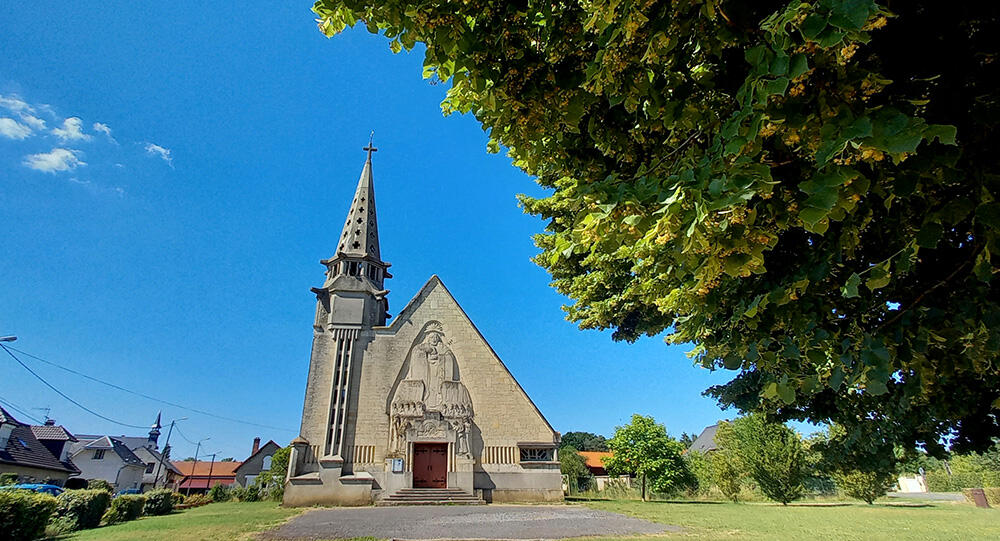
(463, 522)
(933, 496)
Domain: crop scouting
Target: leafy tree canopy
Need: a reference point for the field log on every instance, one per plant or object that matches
(770, 453)
(584, 441)
(574, 467)
(643, 448)
(804, 191)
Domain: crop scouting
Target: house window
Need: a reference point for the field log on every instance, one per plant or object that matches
(267, 464)
(536, 454)
(149, 467)
(99, 454)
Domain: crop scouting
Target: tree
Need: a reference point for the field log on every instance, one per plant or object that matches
(862, 485)
(687, 439)
(771, 454)
(804, 191)
(574, 467)
(643, 448)
(584, 441)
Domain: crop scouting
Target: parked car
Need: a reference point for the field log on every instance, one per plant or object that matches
(129, 491)
(36, 487)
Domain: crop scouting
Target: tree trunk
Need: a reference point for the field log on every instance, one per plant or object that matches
(644, 487)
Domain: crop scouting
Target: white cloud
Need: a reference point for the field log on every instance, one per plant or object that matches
(59, 159)
(72, 129)
(157, 150)
(33, 121)
(14, 103)
(13, 129)
(103, 128)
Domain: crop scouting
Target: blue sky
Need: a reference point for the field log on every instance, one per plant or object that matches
(170, 176)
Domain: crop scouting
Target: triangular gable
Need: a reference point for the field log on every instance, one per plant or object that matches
(415, 302)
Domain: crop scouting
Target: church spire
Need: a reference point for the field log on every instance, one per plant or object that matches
(360, 235)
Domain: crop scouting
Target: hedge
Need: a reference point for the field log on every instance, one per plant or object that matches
(24, 514)
(158, 502)
(125, 508)
(100, 484)
(940, 481)
(83, 509)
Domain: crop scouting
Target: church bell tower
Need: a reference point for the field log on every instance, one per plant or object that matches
(350, 303)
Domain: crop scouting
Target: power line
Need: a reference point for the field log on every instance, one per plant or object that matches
(62, 394)
(146, 396)
(14, 407)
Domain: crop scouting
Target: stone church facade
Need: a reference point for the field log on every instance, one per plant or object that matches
(421, 403)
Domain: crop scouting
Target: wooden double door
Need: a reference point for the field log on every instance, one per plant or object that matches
(430, 465)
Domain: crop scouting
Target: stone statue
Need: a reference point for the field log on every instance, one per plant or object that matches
(431, 397)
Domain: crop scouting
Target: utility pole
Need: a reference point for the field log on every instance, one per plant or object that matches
(166, 447)
(196, 450)
(211, 466)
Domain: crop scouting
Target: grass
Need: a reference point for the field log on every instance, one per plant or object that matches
(217, 521)
(808, 521)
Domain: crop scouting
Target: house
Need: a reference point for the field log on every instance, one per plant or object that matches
(108, 458)
(258, 461)
(154, 466)
(197, 477)
(705, 442)
(35, 453)
(594, 460)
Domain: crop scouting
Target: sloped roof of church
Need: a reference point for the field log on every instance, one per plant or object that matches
(411, 306)
(360, 235)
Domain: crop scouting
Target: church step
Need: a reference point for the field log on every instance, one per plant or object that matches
(430, 496)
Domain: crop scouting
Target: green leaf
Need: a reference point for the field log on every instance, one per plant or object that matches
(786, 393)
(983, 268)
(799, 65)
(850, 289)
(812, 215)
(929, 235)
(879, 277)
(776, 86)
(944, 133)
(732, 362)
(395, 46)
(813, 25)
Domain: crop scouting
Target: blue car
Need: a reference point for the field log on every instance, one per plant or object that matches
(36, 487)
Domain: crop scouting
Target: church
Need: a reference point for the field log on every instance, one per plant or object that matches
(416, 410)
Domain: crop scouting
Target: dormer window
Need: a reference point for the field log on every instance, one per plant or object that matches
(99, 454)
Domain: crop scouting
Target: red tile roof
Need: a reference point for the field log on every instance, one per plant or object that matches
(202, 467)
(594, 459)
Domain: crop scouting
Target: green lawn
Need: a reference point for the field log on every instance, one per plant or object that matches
(217, 521)
(841, 521)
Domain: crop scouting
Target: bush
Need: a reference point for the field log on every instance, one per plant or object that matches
(867, 486)
(176, 498)
(246, 494)
(24, 514)
(197, 499)
(82, 509)
(728, 473)
(8, 479)
(158, 502)
(125, 508)
(220, 493)
(100, 484)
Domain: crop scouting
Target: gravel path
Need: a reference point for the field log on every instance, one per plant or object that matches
(461, 522)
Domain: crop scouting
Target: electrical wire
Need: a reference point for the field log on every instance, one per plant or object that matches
(14, 407)
(64, 395)
(146, 396)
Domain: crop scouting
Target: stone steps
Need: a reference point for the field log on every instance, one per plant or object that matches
(430, 496)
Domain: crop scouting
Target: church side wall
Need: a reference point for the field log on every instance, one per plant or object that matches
(316, 405)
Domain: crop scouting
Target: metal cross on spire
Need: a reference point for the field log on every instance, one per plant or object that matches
(370, 148)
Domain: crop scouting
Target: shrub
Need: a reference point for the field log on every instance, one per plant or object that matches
(158, 502)
(246, 494)
(24, 514)
(125, 508)
(771, 453)
(867, 486)
(728, 473)
(8, 479)
(177, 498)
(100, 484)
(197, 499)
(82, 509)
(700, 466)
(220, 493)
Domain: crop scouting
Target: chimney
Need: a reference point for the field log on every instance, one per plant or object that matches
(50, 422)
(256, 446)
